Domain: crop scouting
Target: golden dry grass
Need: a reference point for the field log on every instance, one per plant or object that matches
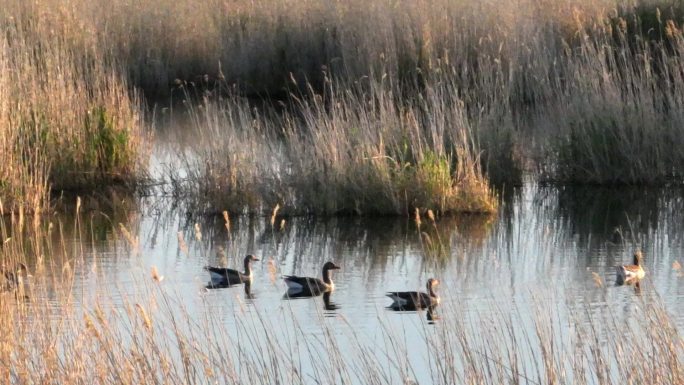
(579, 91)
(67, 119)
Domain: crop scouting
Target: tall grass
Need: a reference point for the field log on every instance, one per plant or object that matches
(362, 150)
(581, 92)
(585, 92)
(50, 333)
(67, 120)
(619, 107)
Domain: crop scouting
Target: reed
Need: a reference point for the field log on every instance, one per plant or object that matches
(616, 120)
(583, 92)
(153, 336)
(67, 120)
(348, 151)
(575, 92)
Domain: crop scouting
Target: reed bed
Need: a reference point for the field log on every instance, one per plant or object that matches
(575, 92)
(579, 92)
(342, 152)
(67, 120)
(617, 119)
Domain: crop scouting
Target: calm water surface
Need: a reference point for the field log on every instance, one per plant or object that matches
(542, 254)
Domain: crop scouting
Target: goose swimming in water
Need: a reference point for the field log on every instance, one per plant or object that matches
(314, 286)
(12, 276)
(631, 273)
(221, 276)
(416, 299)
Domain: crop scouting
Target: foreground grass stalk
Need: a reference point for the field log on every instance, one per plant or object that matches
(52, 333)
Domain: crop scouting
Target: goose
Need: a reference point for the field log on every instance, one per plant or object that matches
(312, 285)
(416, 299)
(221, 276)
(12, 276)
(633, 272)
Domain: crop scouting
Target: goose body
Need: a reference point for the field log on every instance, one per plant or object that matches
(12, 276)
(222, 276)
(416, 299)
(312, 285)
(627, 273)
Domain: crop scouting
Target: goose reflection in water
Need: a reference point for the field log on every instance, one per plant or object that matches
(247, 286)
(248, 290)
(635, 283)
(430, 312)
(328, 305)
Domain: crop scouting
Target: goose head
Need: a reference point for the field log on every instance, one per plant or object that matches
(330, 266)
(249, 258)
(638, 256)
(326, 271)
(431, 284)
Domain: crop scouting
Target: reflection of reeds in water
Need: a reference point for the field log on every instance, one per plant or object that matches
(272, 271)
(226, 219)
(152, 337)
(677, 267)
(155, 274)
(442, 237)
(611, 214)
(133, 241)
(198, 232)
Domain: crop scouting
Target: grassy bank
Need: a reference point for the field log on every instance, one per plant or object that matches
(67, 119)
(361, 150)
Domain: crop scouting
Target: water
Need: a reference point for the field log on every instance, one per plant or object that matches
(542, 254)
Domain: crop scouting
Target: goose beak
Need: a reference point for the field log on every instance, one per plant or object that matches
(336, 267)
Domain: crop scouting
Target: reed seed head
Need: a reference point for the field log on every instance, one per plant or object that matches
(155, 275)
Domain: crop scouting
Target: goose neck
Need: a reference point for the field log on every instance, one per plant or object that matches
(248, 267)
(327, 277)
